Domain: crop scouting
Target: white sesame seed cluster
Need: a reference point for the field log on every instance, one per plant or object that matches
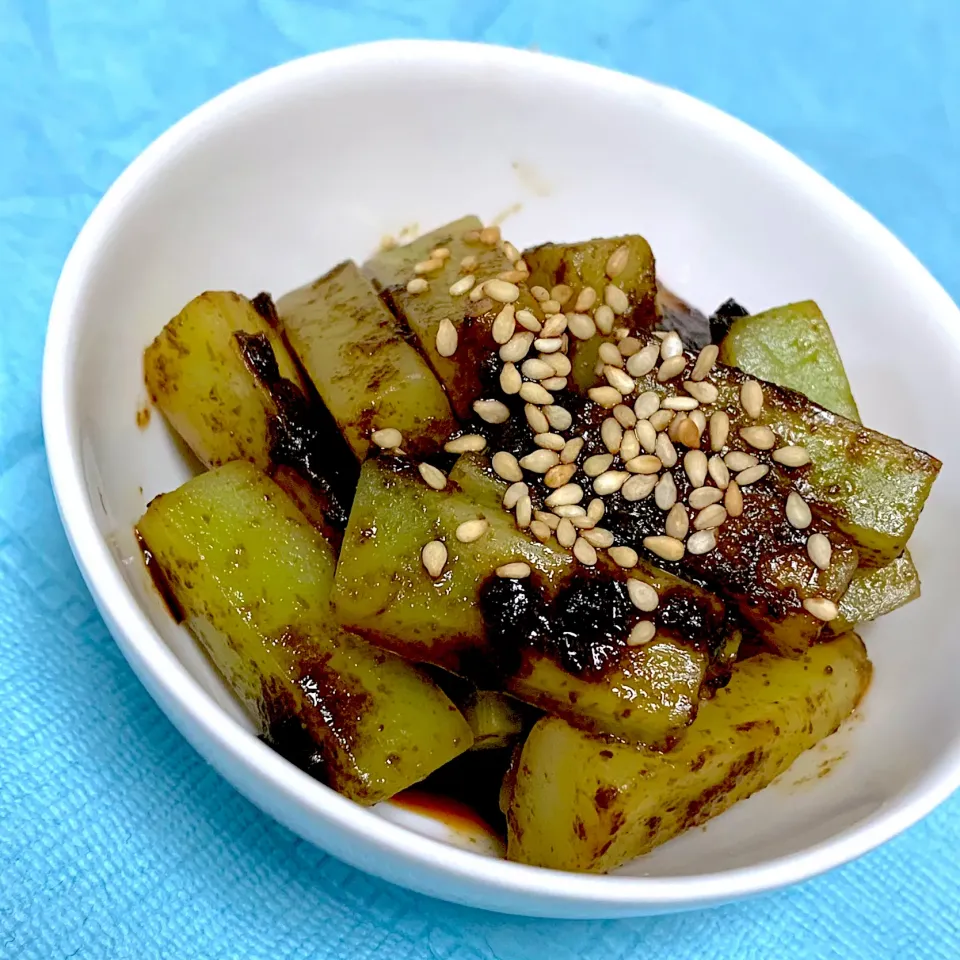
(641, 434)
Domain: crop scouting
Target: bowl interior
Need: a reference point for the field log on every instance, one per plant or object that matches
(314, 164)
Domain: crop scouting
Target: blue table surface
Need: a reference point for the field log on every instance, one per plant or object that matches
(116, 840)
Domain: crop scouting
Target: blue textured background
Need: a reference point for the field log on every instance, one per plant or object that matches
(115, 839)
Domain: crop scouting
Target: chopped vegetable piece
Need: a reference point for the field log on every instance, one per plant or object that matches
(793, 347)
(870, 486)
(587, 266)
(424, 309)
(253, 579)
(357, 355)
(580, 802)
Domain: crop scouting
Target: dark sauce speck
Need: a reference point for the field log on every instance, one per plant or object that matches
(723, 317)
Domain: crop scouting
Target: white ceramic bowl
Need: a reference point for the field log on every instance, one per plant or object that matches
(277, 179)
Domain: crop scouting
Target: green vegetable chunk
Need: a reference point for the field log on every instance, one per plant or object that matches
(586, 803)
(461, 372)
(793, 347)
(583, 266)
(384, 593)
(357, 355)
(253, 579)
(495, 719)
(196, 375)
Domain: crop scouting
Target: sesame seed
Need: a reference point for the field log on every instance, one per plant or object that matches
(678, 522)
(561, 293)
(388, 438)
(513, 276)
(427, 266)
(733, 499)
(617, 262)
(550, 441)
(560, 362)
(606, 397)
(540, 530)
(535, 369)
(620, 381)
(504, 325)
(666, 451)
(585, 552)
(595, 509)
(667, 548)
(432, 477)
(468, 443)
(417, 285)
(661, 419)
(517, 347)
(558, 475)
(585, 299)
(642, 595)
(700, 419)
(671, 346)
(719, 430)
(471, 530)
(535, 393)
(639, 487)
(718, 471)
(751, 398)
(665, 492)
(616, 299)
(671, 368)
(791, 456)
(550, 306)
(501, 290)
(524, 512)
(629, 445)
(752, 474)
(540, 461)
(609, 353)
(644, 464)
(611, 433)
(603, 318)
(506, 466)
(583, 523)
(710, 517)
(477, 294)
(798, 511)
(510, 379)
(521, 264)
(625, 416)
(625, 557)
(629, 347)
(695, 467)
(554, 384)
(462, 286)
(540, 293)
(468, 263)
(568, 493)
(558, 417)
(704, 392)
(677, 421)
(610, 482)
(701, 542)
(490, 235)
(679, 403)
(554, 326)
(491, 411)
(566, 533)
(688, 432)
(581, 326)
(471, 236)
(514, 571)
(705, 361)
(640, 364)
(550, 519)
(642, 633)
(737, 460)
(761, 438)
(536, 419)
(595, 465)
(434, 558)
(821, 608)
(548, 344)
(510, 251)
(528, 321)
(647, 404)
(704, 497)
(514, 492)
(819, 550)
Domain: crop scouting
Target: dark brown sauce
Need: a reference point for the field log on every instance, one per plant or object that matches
(159, 579)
